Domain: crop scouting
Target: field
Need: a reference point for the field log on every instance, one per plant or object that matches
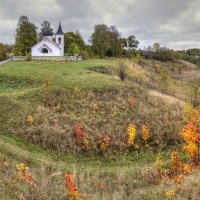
(59, 118)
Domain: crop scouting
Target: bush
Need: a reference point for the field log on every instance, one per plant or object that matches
(84, 54)
(73, 49)
(165, 76)
(28, 57)
(3, 55)
(122, 71)
(163, 54)
(194, 96)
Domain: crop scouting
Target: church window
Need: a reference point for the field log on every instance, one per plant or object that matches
(45, 51)
(59, 40)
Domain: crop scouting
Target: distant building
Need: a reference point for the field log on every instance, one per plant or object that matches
(50, 45)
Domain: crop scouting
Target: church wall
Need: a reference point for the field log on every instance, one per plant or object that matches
(35, 51)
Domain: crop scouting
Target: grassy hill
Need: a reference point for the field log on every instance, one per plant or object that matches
(42, 103)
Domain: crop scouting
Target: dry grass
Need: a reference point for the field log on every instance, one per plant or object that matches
(55, 120)
(167, 98)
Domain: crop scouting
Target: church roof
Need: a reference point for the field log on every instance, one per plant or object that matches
(47, 33)
(44, 42)
(59, 31)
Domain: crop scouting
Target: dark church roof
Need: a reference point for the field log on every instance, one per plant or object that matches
(47, 33)
(59, 31)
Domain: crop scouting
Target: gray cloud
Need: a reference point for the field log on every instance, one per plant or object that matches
(172, 23)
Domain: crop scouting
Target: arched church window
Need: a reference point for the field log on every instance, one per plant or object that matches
(45, 50)
(59, 40)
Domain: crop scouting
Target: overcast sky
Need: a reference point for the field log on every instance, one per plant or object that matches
(172, 23)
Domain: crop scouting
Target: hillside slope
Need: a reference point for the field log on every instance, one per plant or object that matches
(42, 104)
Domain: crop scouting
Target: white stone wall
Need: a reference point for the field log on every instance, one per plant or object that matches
(49, 58)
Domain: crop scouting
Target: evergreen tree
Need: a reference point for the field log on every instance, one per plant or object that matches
(26, 36)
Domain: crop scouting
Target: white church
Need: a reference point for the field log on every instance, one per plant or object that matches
(50, 45)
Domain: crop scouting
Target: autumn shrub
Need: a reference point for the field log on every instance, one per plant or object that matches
(72, 190)
(191, 135)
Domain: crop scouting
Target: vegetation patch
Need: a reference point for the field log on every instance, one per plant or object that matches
(96, 122)
(7, 82)
(100, 69)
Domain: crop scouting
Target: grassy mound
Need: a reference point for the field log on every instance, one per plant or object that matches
(41, 125)
(100, 112)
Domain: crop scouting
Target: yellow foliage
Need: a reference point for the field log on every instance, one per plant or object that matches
(159, 163)
(86, 143)
(30, 119)
(171, 193)
(77, 90)
(145, 133)
(131, 134)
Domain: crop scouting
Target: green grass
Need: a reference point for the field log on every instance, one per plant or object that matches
(62, 74)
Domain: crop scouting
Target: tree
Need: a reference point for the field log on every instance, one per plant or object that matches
(71, 37)
(2, 47)
(26, 36)
(3, 55)
(132, 43)
(115, 42)
(73, 49)
(163, 54)
(156, 47)
(124, 42)
(45, 27)
(99, 39)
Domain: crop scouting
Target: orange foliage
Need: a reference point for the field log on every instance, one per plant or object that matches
(191, 135)
(131, 101)
(176, 163)
(25, 175)
(72, 190)
(103, 142)
(100, 187)
(79, 131)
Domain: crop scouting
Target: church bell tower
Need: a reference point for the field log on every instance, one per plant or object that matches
(60, 39)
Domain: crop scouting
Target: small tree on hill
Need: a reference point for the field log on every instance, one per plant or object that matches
(71, 37)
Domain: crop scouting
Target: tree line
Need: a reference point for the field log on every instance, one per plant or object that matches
(105, 41)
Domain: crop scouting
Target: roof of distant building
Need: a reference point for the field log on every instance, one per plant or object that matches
(47, 33)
